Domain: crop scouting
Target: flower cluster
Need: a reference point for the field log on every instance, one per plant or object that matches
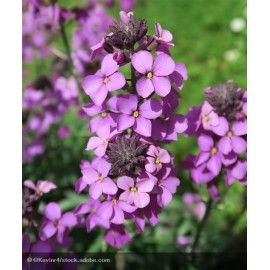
(93, 23)
(131, 176)
(44, 103)
(220, 126)
(40, 22)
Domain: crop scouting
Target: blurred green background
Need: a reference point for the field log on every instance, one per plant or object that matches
(208, 41)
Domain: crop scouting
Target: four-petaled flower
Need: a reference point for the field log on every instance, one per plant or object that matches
(139, 116)
(156, 157)
(95, 175)
(107, 79)
(154, 73)
(135, 193)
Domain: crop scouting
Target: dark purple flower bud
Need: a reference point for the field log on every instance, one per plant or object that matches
(226, 99)
(124, 36)
(127, 156)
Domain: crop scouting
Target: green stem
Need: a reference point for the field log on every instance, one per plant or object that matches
(201, 224)
(67, 47)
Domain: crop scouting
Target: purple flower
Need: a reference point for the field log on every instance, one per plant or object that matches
(208, 117)
(63, 132)
(237, 173)
(209, 154)
(137, 116)
(124, 16)
(67, 87)
(127, 5)
(179, 74)
(136, 193)
(154, 73)
(113, 209)
(117, 236)
(100, 143)
(156, 157)
(107, 79)
(55, 222)
(166, 186)
(40, 188)
(232, 140)
(163, 36)
(195, 204)
(96, 175)
(106, 117)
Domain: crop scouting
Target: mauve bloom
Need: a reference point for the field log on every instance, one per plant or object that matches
(124, 16)
(156, 157)
(106, 117)
(56, 222)
(126, 5)
(137, 116)
(113, 209)
(117, 236)
(232, 140)
(154, 73)
(163, 36)
(179, 74)
(40, 188)
(208, 117)
(31, 98)
(209, 154)
(166, 186)
(195, 204)
(93, 219)
(63, 132)
(100, 142)
(183, 240)
(237, 173)
(107, 79)
(67, 87)
(135, 193)
(95, 175)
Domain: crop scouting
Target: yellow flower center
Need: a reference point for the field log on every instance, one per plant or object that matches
(105, 141)
(104, 114)
(149, 75)
(214, 150)
(206, 118)
(114, 201)
(157, 161)
(100, 178)
(106, 80)
(136, 114)
(229, 134)
(133, 189)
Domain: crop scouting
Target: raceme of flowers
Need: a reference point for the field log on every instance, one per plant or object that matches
(131, 175)
(220, 126)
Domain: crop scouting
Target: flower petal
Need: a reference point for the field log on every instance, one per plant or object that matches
(141, 199)
(116, 82)
(47, 230)
(109, 65)
(151, 109)
(143, 126)
(91, 84)
(108, 186)
(93, 143)
(142, 61)
(225, 145)
(125, 121)
(52, 211)
(163, 65)
(205, 142)
(125, 182)
(239, 145)
(145, 185)
(95, 190)
(239, 128)
(162, 86)
(68, 219)
(144, 87)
